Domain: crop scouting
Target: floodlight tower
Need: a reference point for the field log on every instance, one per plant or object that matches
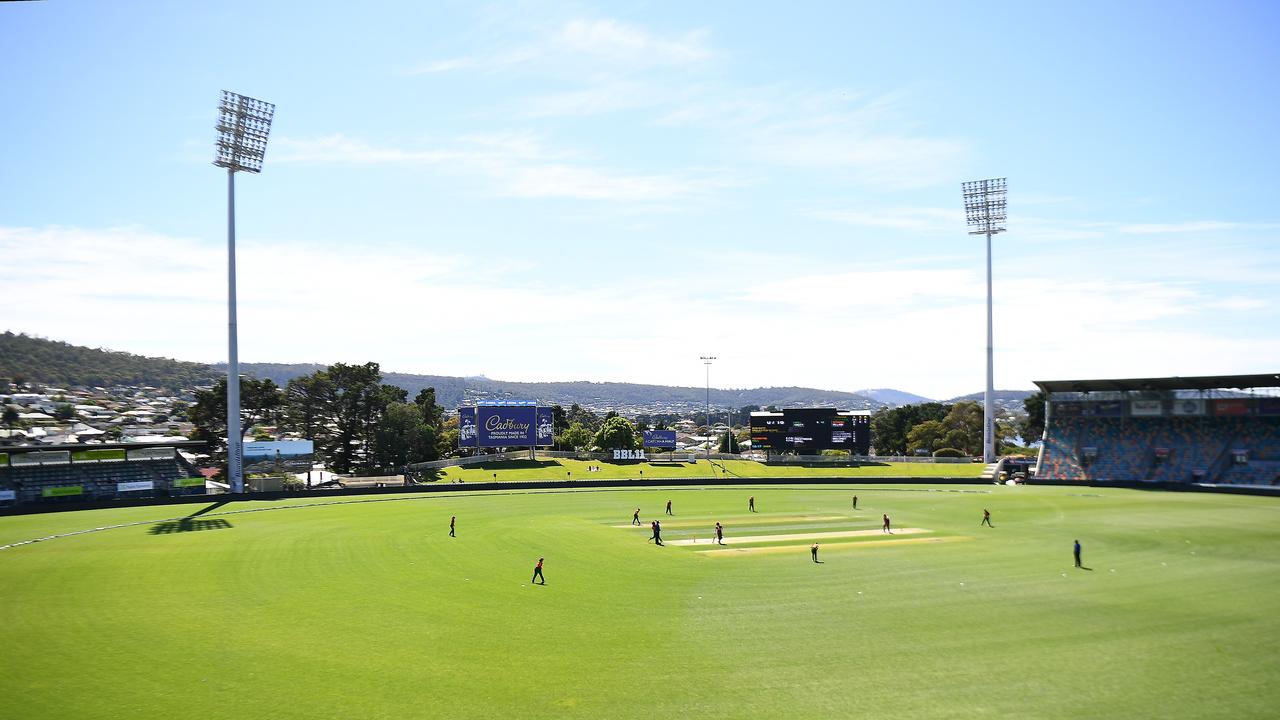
(243, 126)
(707, 360)
(984, 211)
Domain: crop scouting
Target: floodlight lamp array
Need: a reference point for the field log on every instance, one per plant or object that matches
(243, 126)
(985, 205)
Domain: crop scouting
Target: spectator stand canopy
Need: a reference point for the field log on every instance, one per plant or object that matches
(1204, 383)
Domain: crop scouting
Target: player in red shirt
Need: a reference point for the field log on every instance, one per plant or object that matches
(886, 525)
(719, 534)
(986, 519)
(452, 520)
(537, 573)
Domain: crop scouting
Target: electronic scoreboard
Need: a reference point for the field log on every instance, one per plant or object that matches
(809, 431)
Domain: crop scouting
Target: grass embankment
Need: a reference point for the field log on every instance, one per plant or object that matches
(368, 609)
(563, 469)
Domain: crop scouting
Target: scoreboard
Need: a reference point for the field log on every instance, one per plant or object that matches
(808, 431)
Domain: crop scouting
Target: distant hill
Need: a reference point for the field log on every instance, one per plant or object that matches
(34, 359)
(452, 391)
(890, 396)
(1000, 396)
(1008, 400)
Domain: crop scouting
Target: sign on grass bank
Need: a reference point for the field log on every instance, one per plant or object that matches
(628, 455)
(660, 438)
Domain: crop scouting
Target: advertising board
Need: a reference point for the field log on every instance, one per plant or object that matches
(61, 491)
(151, 453)
(512, 426)
(188, 482)
(1146, 408)
(135, 486)
(660, 438)
(467, 436)
(1188, 406)
(1231, 407)
(546, 427)
(284, 449)
(1067, 408)
(1107, 408)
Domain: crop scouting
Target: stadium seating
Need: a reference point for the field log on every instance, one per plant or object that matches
(97, 480)
(1162, 449)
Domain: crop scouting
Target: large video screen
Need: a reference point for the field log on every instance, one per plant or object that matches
(808, 431)
(520, 425)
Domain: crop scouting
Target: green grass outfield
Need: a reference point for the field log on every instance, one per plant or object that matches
(367, 609)
(565, 469)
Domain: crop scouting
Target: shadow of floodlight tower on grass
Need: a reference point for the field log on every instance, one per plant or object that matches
(192, 522)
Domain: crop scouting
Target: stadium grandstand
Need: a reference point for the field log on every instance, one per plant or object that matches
(76, 473)
(1215, 430)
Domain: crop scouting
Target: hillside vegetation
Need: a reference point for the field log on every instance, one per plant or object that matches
(33, 359)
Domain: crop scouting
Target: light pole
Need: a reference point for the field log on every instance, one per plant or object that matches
(985, 212)
(243, 126)
(707, 360)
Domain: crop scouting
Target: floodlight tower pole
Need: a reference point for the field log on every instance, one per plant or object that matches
(707, 360)
(243, 126)
(235, 436)
(985, 212)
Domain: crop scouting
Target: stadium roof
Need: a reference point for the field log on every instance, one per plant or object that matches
(1203, 382)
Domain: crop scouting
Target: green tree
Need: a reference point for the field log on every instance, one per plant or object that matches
(10, 417)
(355, 398)
(729, 443)
(447, 442)
(924, 436)
(63, 411)
(559, 420)
(579, 414)
(308, 409)
(432, 412)
(962, 427)
(260, 402)
(891, 426)
(1031, 428)
(403, 436)
(576, 436)
(617, 433)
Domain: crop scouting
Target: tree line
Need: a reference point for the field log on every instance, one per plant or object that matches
(358, 423)
(361, 424)
(951, 430)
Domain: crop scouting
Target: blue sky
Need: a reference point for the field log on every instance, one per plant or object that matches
(561, 191)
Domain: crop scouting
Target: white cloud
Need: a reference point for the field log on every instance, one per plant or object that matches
(515, 165)
(1194, 226)
(622, 46)
(840, 327)
(899, 218)
(618, 42)
(1238, 303)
